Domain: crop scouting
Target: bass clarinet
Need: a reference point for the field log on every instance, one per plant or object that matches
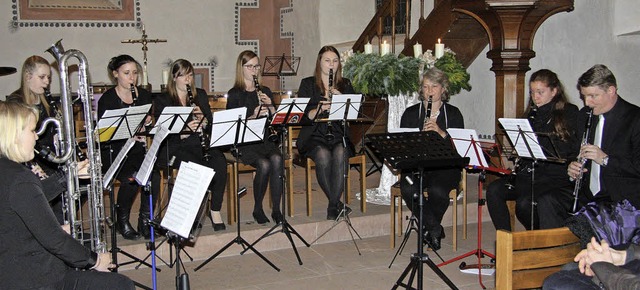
(204, 141)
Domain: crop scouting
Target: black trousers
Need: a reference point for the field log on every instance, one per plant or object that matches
(91, 280)
(438, 184)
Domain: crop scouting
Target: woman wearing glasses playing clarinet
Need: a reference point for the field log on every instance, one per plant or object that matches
(322, 142)
(194, 146)
(124, 72)
(264, 156)
(433, 113)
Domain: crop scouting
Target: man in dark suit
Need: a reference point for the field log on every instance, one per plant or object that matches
(612, 170)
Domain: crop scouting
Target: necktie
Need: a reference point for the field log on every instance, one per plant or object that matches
(594, 183)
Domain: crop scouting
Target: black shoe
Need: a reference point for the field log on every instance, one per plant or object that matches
(219, 227)
(143, 226)
(332, 213)
(347, 210)
(277, 217)
(125, 228)
(260, 217)
(433, 238)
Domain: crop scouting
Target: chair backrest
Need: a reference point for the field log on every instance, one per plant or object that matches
(292, 136)
(524, 259)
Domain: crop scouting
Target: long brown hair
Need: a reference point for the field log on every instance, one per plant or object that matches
(550, 79)
(28, 68)
(337, 73)
(180, 67)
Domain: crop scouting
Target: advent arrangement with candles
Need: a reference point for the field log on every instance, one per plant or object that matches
(385, 73)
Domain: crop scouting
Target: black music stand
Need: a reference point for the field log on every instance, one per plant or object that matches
(474, 150)
(526, 145)
(118, 122)
(402, 152)
(175, 122)
(280, 66)
(343, 215)
(179, 224)
(284, 227)
(235, 126)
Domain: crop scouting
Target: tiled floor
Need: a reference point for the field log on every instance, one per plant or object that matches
(332, 262)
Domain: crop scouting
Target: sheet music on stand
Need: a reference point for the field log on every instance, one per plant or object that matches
(111, 127)
(188, 193)
(297, 107)
(108, 176)
(227, 121)
(513, 127)
(338, 107)
(142, 177)
(173, 118)
(462, 141)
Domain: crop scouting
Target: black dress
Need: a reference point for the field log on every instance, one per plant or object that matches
(438, 182)
(110, 149)
(314, 135)
(249, 153)
(189, 149)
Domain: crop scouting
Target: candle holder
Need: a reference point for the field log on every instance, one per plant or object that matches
(146, 86)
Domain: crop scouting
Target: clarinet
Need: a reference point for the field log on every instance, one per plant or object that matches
(329, 136)
(273, 135)
(204, 144)
(533, 112)
(134, 96)
(428, 113)
(583, 161)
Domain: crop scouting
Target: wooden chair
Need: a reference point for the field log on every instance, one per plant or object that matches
(308, 164)
(163, 199)
(396, 216)
(526, 258)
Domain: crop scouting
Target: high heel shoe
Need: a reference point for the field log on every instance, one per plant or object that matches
(277, 217)
(217, 226)
(260, 217)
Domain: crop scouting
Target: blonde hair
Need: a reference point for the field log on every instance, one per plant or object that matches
(29, 68)
(14, 117)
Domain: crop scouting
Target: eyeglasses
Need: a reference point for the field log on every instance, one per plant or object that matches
(252, 67)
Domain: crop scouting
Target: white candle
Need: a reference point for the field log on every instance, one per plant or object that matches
(417, 50)
(145, 80)
(368, 48)
(439, 49)
(385, 48)
(165, 76)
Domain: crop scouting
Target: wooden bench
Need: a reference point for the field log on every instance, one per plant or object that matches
(524, 259)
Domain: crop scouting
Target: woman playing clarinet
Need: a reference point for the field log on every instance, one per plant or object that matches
(264, 156)
(192, 146)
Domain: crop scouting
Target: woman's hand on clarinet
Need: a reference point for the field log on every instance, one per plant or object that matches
(431, 125)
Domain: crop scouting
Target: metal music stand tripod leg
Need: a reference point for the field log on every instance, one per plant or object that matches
(238, 239)
(419, 258)
(478, 252)
(287, 229)
(411, 226)
(115, 250)
(343, 216)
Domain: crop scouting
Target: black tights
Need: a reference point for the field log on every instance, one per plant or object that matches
(330, 170)
(268, 171)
